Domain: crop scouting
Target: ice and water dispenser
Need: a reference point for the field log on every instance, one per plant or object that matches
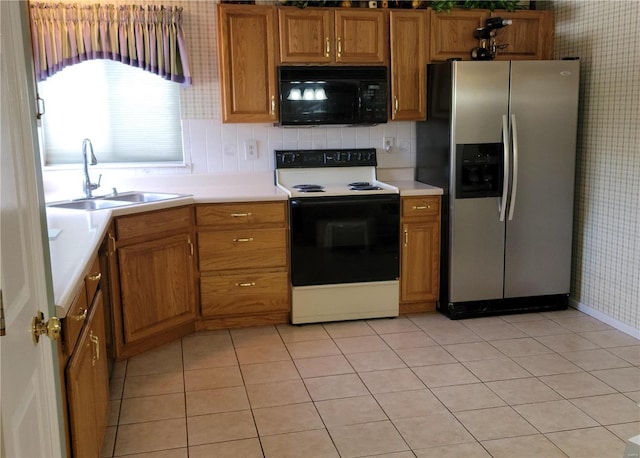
(479, 170)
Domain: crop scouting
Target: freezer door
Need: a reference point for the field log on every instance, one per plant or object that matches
(476, 234)
(544, 105)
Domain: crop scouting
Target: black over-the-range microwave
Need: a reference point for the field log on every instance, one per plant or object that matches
(323, 95)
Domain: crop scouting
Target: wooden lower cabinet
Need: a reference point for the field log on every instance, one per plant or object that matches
(87, 383)
(243, 264)
(419, 253)
(152, 277)
(156, 286)
(244, 293)
(84, 366)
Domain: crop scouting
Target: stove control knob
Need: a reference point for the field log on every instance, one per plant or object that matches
(357, 156)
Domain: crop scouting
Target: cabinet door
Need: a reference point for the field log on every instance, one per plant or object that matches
(409, 55)
(452, 33)
(361, 36)
(157, 286)
(88, 386)
(529, 37)
(247, 60)
(306, 35)
(419, 270)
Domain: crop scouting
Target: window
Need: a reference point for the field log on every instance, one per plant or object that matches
(130, 115)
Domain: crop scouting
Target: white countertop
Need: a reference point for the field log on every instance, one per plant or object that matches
(80, 233)
(415, 188)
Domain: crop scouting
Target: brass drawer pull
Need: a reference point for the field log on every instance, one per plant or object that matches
(81, 317)
(240, 215)
(246, 284)
(406, 237)
(248, 239)
(95, 277)
(421, 207)
(96, 343)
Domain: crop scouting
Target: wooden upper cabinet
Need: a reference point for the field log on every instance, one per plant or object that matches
(361, 36)
(452, 33)
(306, 35)
(247, 60)
(529, 37)
(409, 39)
(326, 35)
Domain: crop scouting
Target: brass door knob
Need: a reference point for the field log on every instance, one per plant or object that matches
(51, 327)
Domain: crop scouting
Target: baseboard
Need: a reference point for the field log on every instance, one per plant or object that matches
(619, 325)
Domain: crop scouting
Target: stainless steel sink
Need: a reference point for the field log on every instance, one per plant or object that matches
(88, 204)
(141, 197)
(113, 201)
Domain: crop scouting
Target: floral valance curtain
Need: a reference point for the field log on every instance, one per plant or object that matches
(148, 37)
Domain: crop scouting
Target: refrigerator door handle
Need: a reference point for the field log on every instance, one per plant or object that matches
(502, 202)
(514, 183)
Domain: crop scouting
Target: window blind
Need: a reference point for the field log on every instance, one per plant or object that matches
(130, 116)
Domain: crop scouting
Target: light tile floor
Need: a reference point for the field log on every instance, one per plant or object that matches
(531, 385)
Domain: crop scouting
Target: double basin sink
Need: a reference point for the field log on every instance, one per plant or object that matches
(116, 200)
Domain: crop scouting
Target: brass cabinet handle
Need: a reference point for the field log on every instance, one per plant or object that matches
(327, 49)
(406, 237)
(96, 346)
(273, 104)
(81, 317)
(246, 284)
(243, 240)
(95, 277)
(190, 245)
(112, 241)
(395, 104)
(240, 215)
(421, 207)
(339, 47)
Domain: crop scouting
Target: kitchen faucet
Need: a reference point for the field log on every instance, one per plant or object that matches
(87, 185)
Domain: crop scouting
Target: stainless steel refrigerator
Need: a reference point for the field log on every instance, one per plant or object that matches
(500, 140)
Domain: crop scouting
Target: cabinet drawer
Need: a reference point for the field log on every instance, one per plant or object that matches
(153, 223)
(244, 293)
(238, 249)
(413, 207)
(242, 214)
(74, 320)
(92, 280)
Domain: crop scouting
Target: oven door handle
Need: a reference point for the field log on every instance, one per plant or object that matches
(341, 200)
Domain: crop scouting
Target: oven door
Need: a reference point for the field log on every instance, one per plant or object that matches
(344, 239)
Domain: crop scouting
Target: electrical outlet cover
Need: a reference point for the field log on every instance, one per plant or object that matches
(251, 149)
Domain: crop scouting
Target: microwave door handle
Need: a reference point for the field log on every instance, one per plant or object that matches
(502, 202)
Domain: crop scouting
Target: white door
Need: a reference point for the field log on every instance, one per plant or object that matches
(30, 416)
